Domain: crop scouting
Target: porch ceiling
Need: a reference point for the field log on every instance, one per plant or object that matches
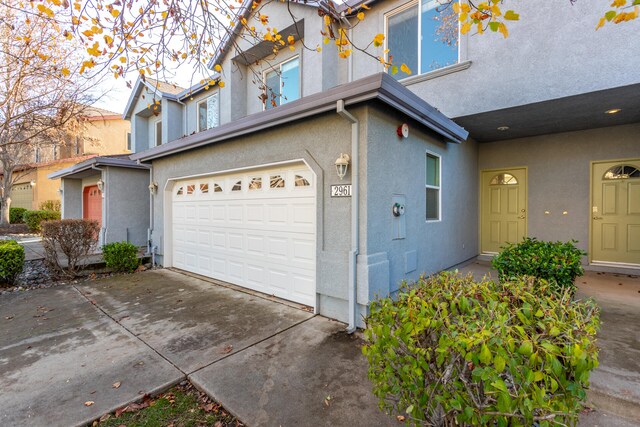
(572, 113)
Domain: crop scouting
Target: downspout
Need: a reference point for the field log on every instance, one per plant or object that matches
(355, 214)
(105, 208)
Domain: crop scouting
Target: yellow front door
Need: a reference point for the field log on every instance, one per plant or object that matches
(503, 217)
(615, 212)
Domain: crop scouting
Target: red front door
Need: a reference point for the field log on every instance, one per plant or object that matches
(92, 201)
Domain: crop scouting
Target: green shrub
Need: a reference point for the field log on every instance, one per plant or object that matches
(11, 260)
(75, 238)
(121, 256)
(50, 205)
(451, 351)
(15, 215)
(556, 262)
(33, 219)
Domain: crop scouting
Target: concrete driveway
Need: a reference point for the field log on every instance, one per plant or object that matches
(266, 362)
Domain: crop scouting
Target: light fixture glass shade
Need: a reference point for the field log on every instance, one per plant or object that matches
(342, 165)
(33, 183)
(100, 184)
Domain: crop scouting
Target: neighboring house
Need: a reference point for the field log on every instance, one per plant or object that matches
(525, 140)
(106, 133)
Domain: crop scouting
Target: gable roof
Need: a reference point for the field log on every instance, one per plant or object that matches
(117, 160)
(244, 12)
(165, 89)
(379, 86)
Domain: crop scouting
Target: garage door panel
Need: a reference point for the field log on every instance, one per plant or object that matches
(263, 239)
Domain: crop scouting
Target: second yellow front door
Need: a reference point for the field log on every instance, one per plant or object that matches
(615, 213)
(503, 217)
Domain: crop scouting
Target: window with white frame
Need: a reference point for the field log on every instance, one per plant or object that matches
(423, 35)
(129, 141)
(159, 132)
(209, 113)
(282, 83)
(432, 185)
(37, 155)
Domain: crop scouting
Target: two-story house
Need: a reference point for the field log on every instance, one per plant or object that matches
(105, 133)
(341, 180)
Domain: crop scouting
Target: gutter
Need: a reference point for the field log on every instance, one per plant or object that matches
(355, 214)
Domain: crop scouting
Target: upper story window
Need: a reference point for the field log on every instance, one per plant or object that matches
(209, 113)
(282, 83)
(37, 155)
(129, 141)
(433, 187)
(423, 35)
(159, 132)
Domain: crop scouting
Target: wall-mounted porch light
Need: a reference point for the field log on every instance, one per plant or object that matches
(100, 184)
(33, 183)
(153, 188)
(342, 165)
(60, 191)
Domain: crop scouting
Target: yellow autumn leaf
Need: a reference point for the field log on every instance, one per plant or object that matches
(123, 59)
(601, 23)
(220, 83)
(465, 28)
(405, 69)
(115, 13)
(360, 16)
(164, 14)
(378, 39)
(327, 20)
(217, 68)
(108, 39)
(65, 72)
(496, 10)
(44, 9)
(456, 7)
(503, 30)
(618, 3)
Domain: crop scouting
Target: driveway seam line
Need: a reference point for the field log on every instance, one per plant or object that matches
(95, 304)
(251, 345)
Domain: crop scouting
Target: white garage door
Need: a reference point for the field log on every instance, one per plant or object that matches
(255, 229)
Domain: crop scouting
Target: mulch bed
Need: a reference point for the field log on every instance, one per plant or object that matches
(13, 229)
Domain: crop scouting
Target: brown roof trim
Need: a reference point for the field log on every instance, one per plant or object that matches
(379, 86)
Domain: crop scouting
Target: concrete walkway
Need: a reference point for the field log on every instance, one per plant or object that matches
(266, 362)
(615, 384)
(269, 363)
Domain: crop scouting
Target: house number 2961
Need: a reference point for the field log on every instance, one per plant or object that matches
(341, 190)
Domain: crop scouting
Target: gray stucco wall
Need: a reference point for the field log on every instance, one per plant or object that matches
(559, 175)
(126, 205)
(172, 121)
(396, 167)
(71, 198)
(319, 141)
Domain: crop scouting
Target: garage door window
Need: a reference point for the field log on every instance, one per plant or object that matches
(204, 188)
(180, 191)
(255, 184)
(276, 181)
(217, 188)
(301, 181)
(237, 186)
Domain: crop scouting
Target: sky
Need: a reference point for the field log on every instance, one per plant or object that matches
(116, 93)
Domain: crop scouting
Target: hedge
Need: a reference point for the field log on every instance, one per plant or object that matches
(11, 260)
(451, 351)
(559, 263)
(121, 256)
(33, 219)
(16, 214)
